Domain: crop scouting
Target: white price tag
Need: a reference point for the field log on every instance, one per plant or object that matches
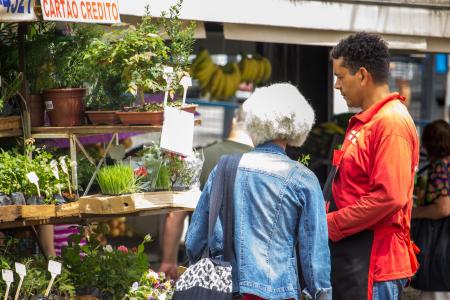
(54, 167)
(20, 269)
(178, 131)
(186, 81)
(32, 177)
(48, 105)
(167, 70)
(54, 267)
(7, 276)
(62, 163)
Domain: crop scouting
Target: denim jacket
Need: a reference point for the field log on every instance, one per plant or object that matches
(279, 215)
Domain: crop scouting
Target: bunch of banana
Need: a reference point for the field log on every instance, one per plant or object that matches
(225, 82)
(255, 70)
(203, 68)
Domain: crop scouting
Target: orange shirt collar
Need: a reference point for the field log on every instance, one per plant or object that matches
(366, 116)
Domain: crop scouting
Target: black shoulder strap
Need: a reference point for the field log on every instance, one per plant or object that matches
(222, 194)
(230, 174)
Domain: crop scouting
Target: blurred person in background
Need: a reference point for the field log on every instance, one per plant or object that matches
(431, 224)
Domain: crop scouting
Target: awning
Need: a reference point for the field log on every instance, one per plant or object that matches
(313, 22)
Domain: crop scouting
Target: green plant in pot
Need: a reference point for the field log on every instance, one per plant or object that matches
(142, 53)
(118, 179)
(14, 167)
(105, 268)
(67, 72)
(106, 91)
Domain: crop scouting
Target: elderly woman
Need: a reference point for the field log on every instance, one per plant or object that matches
(279, 213)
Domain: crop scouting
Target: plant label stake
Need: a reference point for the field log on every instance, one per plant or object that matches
(54, 167)
(54, 268)
(167, 75)
(186, 82)
(8, 277)
(22, 271)
(62, 163)
(32, 177)
(178, 131)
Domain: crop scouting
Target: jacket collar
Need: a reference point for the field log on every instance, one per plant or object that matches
(366, 116)
(270, 148)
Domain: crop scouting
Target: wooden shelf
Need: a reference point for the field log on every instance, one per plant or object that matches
(98, 208)
(65, 132)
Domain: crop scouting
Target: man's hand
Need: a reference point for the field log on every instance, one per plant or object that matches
(170, 269)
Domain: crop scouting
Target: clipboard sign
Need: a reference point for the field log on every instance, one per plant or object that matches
(178, 131)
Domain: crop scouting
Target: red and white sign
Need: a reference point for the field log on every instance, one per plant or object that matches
(94, 11)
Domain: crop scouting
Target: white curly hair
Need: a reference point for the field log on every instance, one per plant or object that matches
(278, 112)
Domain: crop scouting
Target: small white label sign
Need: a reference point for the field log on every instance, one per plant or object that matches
(54, 267)
(178, 131)
(48, 105)
(32, 177)
(20, 269)
(7, 276)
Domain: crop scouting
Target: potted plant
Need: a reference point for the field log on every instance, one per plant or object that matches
(106, 94)
(118, 179)
(14, 167)
(141, 53)
(108, 270)
(67, 71)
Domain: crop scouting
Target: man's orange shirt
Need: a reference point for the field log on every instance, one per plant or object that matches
(374, 185)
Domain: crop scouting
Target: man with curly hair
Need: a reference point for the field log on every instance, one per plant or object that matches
(370, 196)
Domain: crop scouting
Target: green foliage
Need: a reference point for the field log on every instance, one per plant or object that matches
(181, 36)
(117, 179)
(137, 56)
(37, 278)
(112, 270)
(304, 159)
(8, 90)
(14, 166)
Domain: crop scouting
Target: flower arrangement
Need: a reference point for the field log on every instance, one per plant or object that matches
(168, 171)
(152, 286)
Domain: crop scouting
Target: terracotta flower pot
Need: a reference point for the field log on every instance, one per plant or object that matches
(36, 110)
(103, 117)
(141, 118)
(65, 106)
(189, 108)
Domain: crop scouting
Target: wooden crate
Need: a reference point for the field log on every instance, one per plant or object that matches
(9, 123)
(37, 212)
(102, 204)
(68, 209)
(9, 213)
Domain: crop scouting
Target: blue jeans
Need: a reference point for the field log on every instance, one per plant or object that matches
(388, 290)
